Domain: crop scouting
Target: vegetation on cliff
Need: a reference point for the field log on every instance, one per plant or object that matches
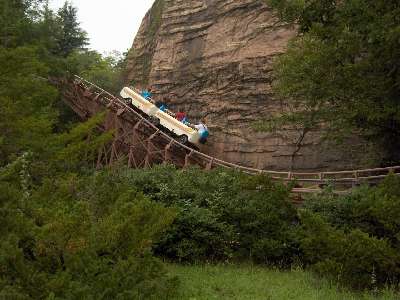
(343, 71)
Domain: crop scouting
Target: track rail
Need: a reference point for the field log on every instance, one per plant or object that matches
(142, 144)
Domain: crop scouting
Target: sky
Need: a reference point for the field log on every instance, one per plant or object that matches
(111, 25)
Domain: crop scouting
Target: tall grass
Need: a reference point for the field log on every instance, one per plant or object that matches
(200, 282)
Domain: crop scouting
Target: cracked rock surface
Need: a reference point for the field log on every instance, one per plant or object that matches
(213, 59)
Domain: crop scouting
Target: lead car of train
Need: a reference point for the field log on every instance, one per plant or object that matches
(184, 133)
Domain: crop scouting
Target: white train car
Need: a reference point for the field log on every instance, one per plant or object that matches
(184, 133)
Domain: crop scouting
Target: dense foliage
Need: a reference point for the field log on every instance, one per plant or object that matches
(68, 231)
(355, 238)
(59, 237)
(353, 258)
(78, 238)
(374, 211)
(343, 70)
(221, 215)
(35, 44)
(228, 216)
(71, 36)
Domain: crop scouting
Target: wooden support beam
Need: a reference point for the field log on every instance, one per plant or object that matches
(120, 111)
(187, 159)
(96, 99)
(87, 94)
(210, 164)
(167, 153)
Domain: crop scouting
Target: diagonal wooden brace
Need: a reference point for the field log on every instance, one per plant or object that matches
(97, 96)
(167, 154)
(87, 94)
(120, 111)
(187, 157)
(153, 135)
(210, 164)
(138, 124)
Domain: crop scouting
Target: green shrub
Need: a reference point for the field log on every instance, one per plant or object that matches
(361, 245)
(82, 238)
(352, 258)
(263, 217)
(374, 210)
(223, 214)
(197, 234)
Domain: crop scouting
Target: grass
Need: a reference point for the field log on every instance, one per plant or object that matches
(251, 282)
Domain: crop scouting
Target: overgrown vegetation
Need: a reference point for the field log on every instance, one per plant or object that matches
(363, 225)
(119, 217)
(222, 215)
(59, 238)
(77, 237)
(68, 231)
(248, 282)
(342, 72)
(229, 216)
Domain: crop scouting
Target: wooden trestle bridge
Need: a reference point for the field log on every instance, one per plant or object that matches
(141, 144)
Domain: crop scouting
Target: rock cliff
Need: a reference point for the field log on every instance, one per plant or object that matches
(213, 59)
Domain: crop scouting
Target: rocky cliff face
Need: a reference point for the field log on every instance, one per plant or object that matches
(213, 59)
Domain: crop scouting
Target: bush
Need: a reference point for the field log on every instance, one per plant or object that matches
(373, 210)
(82, 238)
(197, 234)
(222, 214)
(352, 258)
(263, 217)
(362, 242)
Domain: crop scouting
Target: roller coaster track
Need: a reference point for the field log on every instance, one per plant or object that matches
(139, 143)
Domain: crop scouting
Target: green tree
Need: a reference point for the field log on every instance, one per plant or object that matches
(104, 70)
(54, 243)
(48, 29)
(72, 36)
(27, 116)
(14, 22)
(343, 70)
(64, 239)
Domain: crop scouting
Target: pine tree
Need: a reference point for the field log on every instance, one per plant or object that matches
(48, 29)
(14, 22)
(72, 36)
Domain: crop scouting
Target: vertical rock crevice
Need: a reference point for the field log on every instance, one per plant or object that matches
(142, 56)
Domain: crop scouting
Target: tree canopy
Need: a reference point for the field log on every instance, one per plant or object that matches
(71, 35)
(54, 243)
(343, 69)
(36, 43)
